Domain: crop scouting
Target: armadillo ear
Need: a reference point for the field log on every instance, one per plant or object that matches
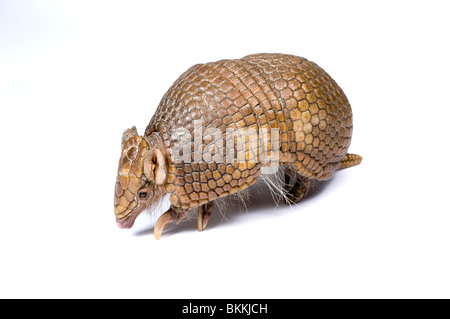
(128, 133)
(155, 167)
(160, 168)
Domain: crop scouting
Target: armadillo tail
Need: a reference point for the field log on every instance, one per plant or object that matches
(350, 160)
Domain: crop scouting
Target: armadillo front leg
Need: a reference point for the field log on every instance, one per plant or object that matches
(299, 190)
(174, 214)
(204, 213)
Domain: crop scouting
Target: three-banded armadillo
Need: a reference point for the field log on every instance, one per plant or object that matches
(221, 124)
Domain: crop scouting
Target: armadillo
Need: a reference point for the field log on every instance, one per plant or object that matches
(191, 151)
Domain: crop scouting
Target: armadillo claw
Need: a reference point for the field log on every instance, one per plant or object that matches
(202, 220)
(203, 215)
(163, 221)
(298, 191)
(172, 215)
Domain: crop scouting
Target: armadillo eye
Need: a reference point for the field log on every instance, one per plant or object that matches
(142, 194)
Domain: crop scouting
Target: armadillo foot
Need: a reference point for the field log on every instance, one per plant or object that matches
(298, 191)
(163, 221)
(203, 215)
(172, 215)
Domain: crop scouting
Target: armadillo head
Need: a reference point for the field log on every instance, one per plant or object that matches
(140, 178)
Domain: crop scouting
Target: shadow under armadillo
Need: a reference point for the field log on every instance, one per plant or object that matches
(228, 212)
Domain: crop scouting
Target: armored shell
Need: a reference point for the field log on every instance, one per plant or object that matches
(258, 92)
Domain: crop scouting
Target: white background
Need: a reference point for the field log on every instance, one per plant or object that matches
(75, 74)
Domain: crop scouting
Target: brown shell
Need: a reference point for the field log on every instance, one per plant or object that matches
(261, 91)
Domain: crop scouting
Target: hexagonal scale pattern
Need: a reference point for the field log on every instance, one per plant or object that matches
(260, 91)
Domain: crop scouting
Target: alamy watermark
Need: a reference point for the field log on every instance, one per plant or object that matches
(234, 145)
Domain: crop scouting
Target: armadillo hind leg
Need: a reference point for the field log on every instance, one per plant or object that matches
(298, 190)
(350, 160)
(174, 214)
(203, 215)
